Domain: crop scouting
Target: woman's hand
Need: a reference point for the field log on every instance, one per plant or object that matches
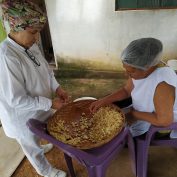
(130, 119)
(62, 94)
(57, 103)
(96, 105)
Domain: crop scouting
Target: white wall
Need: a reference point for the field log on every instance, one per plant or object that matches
(91, 29)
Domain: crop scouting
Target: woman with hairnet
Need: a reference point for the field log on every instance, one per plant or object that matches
(27, 82)
(151, 86)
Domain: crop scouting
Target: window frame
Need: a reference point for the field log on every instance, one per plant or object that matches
(142, 8)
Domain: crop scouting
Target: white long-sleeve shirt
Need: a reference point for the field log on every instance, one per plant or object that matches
(25, 89)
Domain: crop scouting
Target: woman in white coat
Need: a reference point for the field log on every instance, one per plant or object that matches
(151, 86)
(27, 83)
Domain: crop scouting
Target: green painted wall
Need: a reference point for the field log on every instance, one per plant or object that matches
(2, 32)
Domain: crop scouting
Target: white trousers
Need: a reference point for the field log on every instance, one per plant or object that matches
(35, 154)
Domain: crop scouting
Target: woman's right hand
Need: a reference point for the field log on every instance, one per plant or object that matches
(57, 103)
(96, 105)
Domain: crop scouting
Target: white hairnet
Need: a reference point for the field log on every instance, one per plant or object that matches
(142, 53)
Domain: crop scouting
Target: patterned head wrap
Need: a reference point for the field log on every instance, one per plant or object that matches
(22, 13)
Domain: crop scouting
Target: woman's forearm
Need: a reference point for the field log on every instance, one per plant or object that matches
(116, 96)
(150, 117)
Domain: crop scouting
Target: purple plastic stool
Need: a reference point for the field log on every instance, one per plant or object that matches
(96, 160)
(142, 144)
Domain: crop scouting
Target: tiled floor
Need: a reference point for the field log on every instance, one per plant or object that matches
(10, 155)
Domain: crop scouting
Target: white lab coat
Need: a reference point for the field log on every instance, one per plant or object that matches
(25, 92)
(25, 89)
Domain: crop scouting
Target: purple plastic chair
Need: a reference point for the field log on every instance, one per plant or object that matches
(96, 160)
(142, 144)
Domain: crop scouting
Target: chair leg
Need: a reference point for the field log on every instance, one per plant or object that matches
(142, 158)
(91, 172)
(69, 162)
(97, 171)
(131, 147)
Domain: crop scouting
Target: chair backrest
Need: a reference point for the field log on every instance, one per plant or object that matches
(143, 143)
(151, 139)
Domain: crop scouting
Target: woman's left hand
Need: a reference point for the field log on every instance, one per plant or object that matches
(62, 94)
(129, 117)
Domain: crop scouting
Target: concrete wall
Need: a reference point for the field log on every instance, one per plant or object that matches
(91, 30)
